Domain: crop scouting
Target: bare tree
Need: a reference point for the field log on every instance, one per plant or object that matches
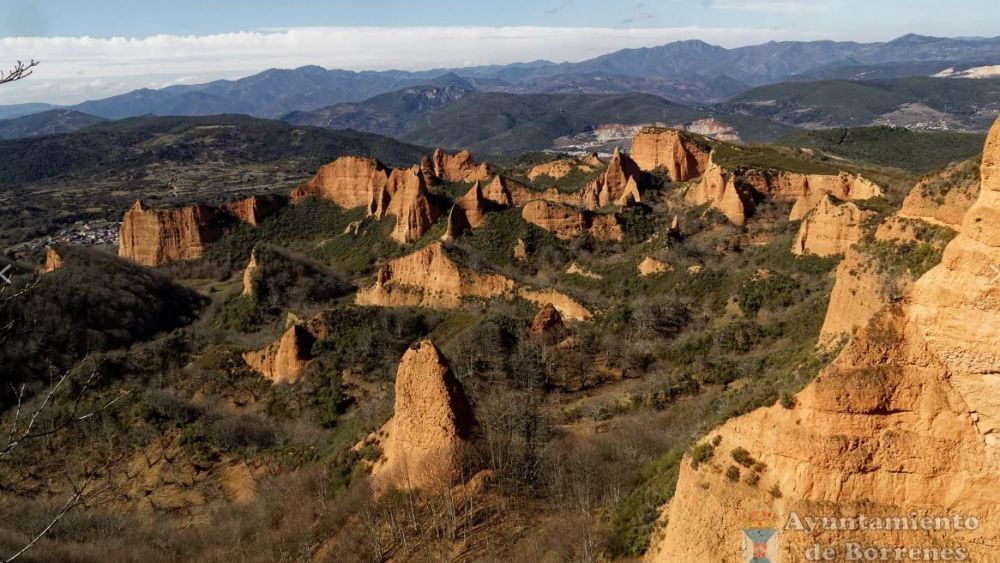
(20, 71)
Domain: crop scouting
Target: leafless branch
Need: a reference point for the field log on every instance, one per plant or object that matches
(20, 71)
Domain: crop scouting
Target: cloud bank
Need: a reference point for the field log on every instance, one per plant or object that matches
(78, 68)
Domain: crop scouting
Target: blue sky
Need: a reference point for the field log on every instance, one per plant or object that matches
(96, 48)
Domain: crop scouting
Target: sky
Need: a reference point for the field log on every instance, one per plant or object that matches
(96, 48)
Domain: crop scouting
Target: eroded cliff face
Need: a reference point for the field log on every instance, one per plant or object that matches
(284, 360)
(250, 274)
(255, 209)
(431, 426)
(831, 228)
(559, 168)
(680, 155)
(431, 278)
(904, 421)
(53, 260)
(734, 192)
(944, 198)
(152, 237)
(349, 181)
(458, 167)
(411, 204)
(569, 222)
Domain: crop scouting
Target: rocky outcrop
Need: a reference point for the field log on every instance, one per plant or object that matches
(474, 205)
(349, 181)
(679, 154)
(943, 198)
(560, 167)
(651, 267)
(736, 192)
(575, 270)
(568, 222)
(458, 167)
(831, 228)
(250, 274)
(547, 327)
(431, 426)
(153, 237)
(285, 360)
(53, 260)
(568, 308)
(431, 278)
(255, 209)
(499, 192)
(411, 204)
(856, 297)
(615, 182)
(905, 421)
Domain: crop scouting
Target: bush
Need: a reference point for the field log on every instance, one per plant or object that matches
(733, 473)
(242, 432)
(742, 457)
(701, 453)
(752, 479)
(776, 491)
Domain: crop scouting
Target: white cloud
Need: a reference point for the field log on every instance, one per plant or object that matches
(772, 6)
(78, 68)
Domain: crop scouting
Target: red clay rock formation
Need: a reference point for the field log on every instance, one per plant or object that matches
(651, 267)
(559, 168)
(734, 193)
(679, 154)
(285, 360)
(411, 205)
(499, 192)
(459, 167)
(53, 261)
(349, 181)
(547, 326)
(568, 222)
(613, 185)
(474, 205)
(458, 223)
(944, 197)
(249, 273)
(254, 209)
(431, 425)
(830, 228)
(152, 237)
(904, 421)
(431, 278)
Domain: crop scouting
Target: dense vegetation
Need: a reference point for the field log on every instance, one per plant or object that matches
(918, 152)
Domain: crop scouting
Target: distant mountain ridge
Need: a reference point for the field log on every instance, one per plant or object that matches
(692, 72)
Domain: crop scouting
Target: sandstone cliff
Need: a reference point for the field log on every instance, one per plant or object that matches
(431, 278)
(411, 204)
(349, 181)
(458, 167)
(831, 228)
(285, 360)
(559, 168)
(547, 327)
(904, 421)
(53, 261)
(255, 209)
(431, 425)
(152, 237)
(250, 273)
(734, 192)
(474, 205)
(679, 154)
(943, 198)
(568, 222)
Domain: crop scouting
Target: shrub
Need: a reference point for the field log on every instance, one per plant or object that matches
(701, 453)
(242, 432)
(742, 457)
(776, 491)
(733, 473)
(752, 479)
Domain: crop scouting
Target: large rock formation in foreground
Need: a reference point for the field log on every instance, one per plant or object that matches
(831, 228)
(431, 278)
(284, 360)
(943, 198)
(432, 424)
(679, 154)
(905, 421)
(569, 222)
(152, 237)
(411, 204)
(736, 192)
